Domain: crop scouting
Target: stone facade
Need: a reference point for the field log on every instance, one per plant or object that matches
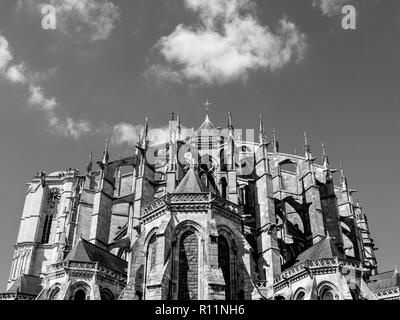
(203, 217)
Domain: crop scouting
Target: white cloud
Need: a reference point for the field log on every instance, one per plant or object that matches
(5, 53)
(18, 5)
(68, 127)
(158, 135)
(125, 133)
(17, 73)
(39, 100)
(163, 73)
(65, 126)
(92, 18)
(61, 125)
(227, 45)
(330, 7)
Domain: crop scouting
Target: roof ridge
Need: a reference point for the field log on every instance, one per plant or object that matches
(104, 250)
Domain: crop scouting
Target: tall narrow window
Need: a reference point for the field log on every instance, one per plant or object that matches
(47, 228)
(53, 199)
(224, 185)
(244, 196)
(151, 254)
(224, 264)
(188, 266)
(222, 159)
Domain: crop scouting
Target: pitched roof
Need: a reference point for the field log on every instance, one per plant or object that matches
(385, 280)
(207, 125)
(84, 251)
(323, 249)
(191, 183)
(27, 284)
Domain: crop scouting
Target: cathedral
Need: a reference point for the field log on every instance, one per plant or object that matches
(207, 216)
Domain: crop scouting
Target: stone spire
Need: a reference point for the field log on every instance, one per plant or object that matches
(261, 137)
(145, 133)
(172, 129)
(118, 173)
(325, 158)
(89, 166)
(178, 126)
(230, 124)
(343, 179)
(307, 148)
(276, 142)
(106, 155)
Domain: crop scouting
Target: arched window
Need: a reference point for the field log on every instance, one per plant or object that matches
(106, 295)
(244, 196)
(223, 162)
(355, 292)
(47, 228)
(287, 172)
(151, 254)
(224, 186)
(188, 266)
(224, 264)
(300, 295)
(53, 200)
(54, 293)
(80, 295)
(79, 291)
(124, 176)
(327, 293)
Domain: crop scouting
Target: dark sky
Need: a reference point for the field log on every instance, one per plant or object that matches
(101, 73)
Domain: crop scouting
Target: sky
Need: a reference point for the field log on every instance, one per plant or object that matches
(108, 65)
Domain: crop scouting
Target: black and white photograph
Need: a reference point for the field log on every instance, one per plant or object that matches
(215, 150)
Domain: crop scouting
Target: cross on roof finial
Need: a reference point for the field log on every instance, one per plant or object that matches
(207, 104)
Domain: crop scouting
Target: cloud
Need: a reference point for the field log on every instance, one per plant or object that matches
(125, 133)
(330, 7)
(162, 74)
(226, 45)
(69, 127)
(94, 19)
(65, 126)
(5, 53)
(38, 99)
(18, 5)
(17, 73)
